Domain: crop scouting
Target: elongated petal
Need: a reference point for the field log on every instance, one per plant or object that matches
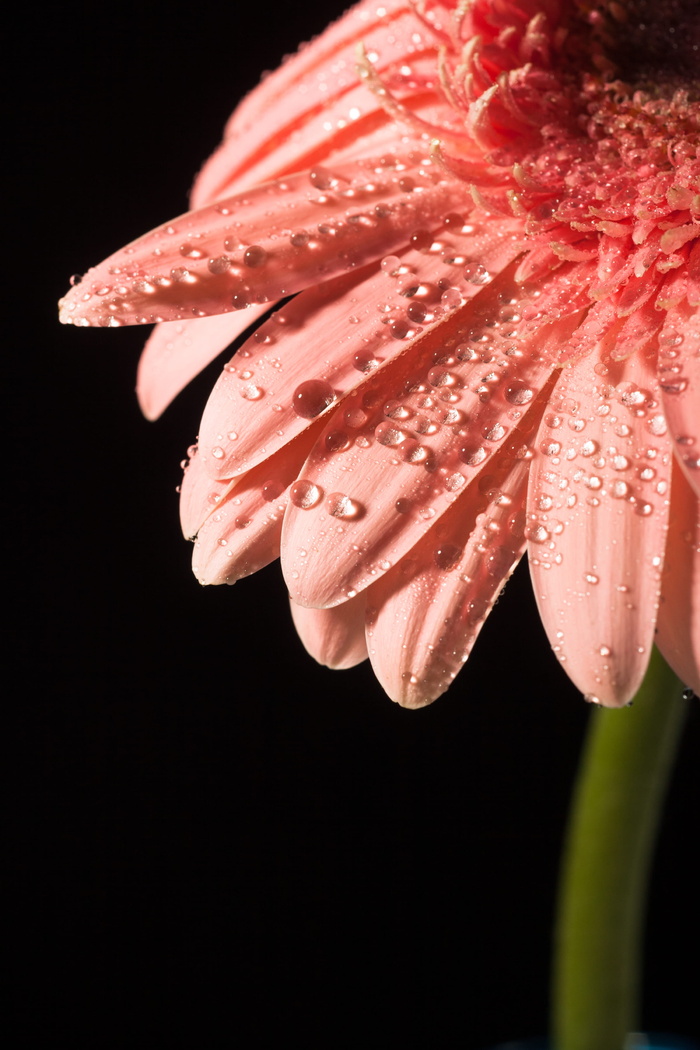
(268, 243)
(428, 430)
(334, 637)
(679, 379)
(200, 494)
(597, 520)
(326, 341)
(313, 108)
(425, 614)
(177, 351)
(241, 533)
(678, 634)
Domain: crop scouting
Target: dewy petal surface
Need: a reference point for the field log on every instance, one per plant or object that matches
(362, 322)
(679, 379)
(453, 575)
(269, 242)
(597, 518)
(678, 635)
(240, 527)
(427, 430)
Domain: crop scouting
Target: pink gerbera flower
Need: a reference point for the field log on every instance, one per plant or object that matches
(488, 214)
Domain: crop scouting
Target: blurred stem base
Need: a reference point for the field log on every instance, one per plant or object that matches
(617, 805)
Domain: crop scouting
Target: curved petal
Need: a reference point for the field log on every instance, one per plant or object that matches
(268, 243)
(337, 334)
(428, 430)
(200, 494)
(678, 629)
(177, 351)
(334, 637)
(597, 520)
(312, 106)
(425, 614)
(241, 532)
(679, 379)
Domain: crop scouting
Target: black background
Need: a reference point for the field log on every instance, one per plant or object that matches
(224, 842)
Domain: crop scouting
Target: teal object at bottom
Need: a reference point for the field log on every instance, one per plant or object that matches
(641, 1042)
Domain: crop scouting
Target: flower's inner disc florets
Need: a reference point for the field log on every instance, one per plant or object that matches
(583, 121)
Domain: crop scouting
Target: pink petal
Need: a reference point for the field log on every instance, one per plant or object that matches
(363, 130)
(597, 520)
(335, 335)
(241, 533)
(334, 637)
(678, 634)
(177, 351)
(424, 615)
(428, 430)
(270, 242)
(679, 379)
(200, 494)
(312, 106)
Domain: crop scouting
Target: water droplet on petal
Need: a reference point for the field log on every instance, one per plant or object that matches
(519, 394)
(251, 392)
(305, 494)
(272, 490)
(447, 556)
(657, 425)
(219, 264)
(391, 435)
(391, 265)
(312, 397)
(472, 455)
(495, 432)
(342, 506)
(364, 361)
(255, 256)
(336, 441)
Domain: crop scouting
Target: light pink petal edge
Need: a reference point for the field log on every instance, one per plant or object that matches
(425, 614)
(678, 634)
(598, 509)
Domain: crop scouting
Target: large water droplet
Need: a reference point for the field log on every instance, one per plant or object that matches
(364, 361)
(252, 392)
(342, 506)
(322, 179)
(305, 494)
(255, 256)
(391, 435)
(312, 397)
(336, 441)
(519, 394)
(472, 455)
(219, 264)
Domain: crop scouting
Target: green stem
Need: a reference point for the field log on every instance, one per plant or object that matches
(616, 809)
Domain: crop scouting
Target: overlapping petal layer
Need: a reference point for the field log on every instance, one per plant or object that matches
(362, 322)
(421, 433)
(597, 518)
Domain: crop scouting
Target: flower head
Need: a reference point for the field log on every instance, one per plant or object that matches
(488, 216)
